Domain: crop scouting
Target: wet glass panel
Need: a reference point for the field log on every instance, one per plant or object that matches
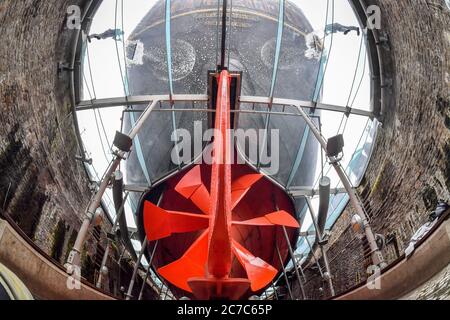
(155, 153)
(251, 123)
(297, 70)
(254, 28)
(193, 38)
(147, 69)
(361, 156)
(290, 131)
(191, 126)
(305, 159)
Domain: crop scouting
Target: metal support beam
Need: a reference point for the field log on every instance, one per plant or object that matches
(136, 188)
(377, 257)
(305, 104)
(275, 291)
(105, 256)
(136, 267)
(137, 100)
(224, 35)
(148, 270)
(144, 247)
(322, 249)
(295, 192)
(307, 233)
(316, 261)
(146, 99)
(73, 260)
(165, 295)
(161, 291)
(298, 192)
(284, 273)
(294, 261)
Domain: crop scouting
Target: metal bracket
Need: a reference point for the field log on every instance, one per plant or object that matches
(387, 83)
(335, 160)
(118, 155)
(63, 66)
(348, 111)
(384, 41)
(84, 160)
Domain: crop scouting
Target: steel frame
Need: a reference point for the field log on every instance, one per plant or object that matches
(146, 99)
(319, 236)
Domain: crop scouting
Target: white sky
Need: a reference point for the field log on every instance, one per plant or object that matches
(338, 81)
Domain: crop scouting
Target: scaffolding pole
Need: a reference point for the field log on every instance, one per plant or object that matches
(314, 256)
(377, 256)
(105, 256)
(294, 261)
(284, 273)
(148, 271)
(136, 267)
(73, 260)
(322, 249)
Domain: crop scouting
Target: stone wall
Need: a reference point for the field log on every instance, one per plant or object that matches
(410, 167)
(40, 181)
(42, 187)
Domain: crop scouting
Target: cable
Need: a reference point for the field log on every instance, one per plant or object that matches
(90, 69)
(125, 89)
(96, 120)
(94, 110)
(230, 32)
(217, 32)
(321, 151)
(356, 149)
(95, 96)
(99, 134)
(98, 177)
(352, 87)
(104, 131)
(317, 88)
(360, 82)
(118, 54)
(356, 71)
(224, 34)
(331, 47)
(87, 87)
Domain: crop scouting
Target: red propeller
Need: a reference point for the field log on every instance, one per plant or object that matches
(205, 267)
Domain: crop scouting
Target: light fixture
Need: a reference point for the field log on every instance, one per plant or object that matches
(98, 217)
(357, 224)
(104, 270)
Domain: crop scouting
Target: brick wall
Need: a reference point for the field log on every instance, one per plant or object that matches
(410, 168)
(42, 187)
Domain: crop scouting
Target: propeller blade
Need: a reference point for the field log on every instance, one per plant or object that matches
(259, 272)
(241, 186)
(278, 218)
(283, 218)
(191, 187)
(160, 223)
(191, 265)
